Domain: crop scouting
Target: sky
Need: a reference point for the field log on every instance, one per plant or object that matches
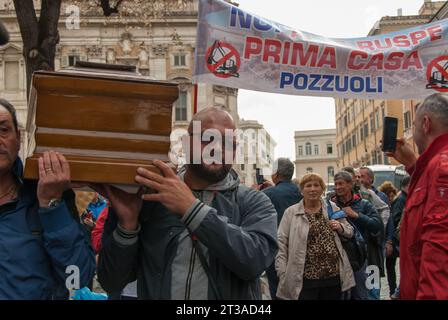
(283, 114)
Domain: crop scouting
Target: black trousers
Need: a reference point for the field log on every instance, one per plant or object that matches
(273, 281)
(322, 293)
(391, 274)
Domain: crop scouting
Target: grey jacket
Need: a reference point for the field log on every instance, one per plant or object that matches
(380, 206)
(292, 239)
(238, 232)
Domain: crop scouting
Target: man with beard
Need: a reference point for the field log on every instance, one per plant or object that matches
(367, 178)
(200, 235)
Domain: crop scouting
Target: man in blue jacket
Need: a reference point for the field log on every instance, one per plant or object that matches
(362, 215)
(284, 194)
(43, 249)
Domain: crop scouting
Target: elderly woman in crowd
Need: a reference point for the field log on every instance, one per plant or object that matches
(311, 262)
(389, 190)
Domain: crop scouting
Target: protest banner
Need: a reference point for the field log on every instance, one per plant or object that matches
(238, 49)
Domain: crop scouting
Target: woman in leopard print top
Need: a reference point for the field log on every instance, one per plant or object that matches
(311, 263)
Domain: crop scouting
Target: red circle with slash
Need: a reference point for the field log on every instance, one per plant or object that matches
(218, 66)
(437, 65)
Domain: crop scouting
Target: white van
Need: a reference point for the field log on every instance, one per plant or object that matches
(390, 173)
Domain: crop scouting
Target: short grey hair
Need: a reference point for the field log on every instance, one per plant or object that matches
(405, 182)
(350, 170)
(284, 168)
(436, 105)
(343, 175)
(370, 172)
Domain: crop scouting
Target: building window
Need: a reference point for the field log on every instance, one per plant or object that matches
(316, 149)
(361, 132)
(379, 157)
(366, 130)
(330, 171)
(254, 167)
(300, 150)
(72, 59)
(349, 145)
(354, 140)
(345, 120)
(329, 148)
(309, 170)
(12, 82)
(180, 60)
(308, 148)
(242, 167)
(372, 123)
(181, 107)
(407, 120)
(343, 149)
(378, 124)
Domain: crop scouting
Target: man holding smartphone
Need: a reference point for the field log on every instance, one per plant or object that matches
(424, 228)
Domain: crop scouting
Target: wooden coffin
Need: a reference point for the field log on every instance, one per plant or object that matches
(106, 123)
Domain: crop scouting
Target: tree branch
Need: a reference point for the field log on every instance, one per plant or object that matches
(26, 16)
(49, 18)
(48, 32)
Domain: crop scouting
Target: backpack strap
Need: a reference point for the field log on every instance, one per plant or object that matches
(329, 209)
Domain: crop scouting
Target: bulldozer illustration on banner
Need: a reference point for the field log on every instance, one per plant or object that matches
(438, 76)
(221, 59)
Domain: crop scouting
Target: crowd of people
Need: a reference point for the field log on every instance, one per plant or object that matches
(198, 233)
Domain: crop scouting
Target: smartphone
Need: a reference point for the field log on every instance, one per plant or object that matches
(390, 128)
(259, 176)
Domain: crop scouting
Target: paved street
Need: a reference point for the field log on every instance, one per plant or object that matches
(384, 285)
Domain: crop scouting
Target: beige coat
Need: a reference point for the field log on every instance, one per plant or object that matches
(292, 242)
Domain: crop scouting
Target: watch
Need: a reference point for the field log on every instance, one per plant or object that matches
(54, 203)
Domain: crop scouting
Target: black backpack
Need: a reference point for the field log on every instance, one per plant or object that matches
(355, 247)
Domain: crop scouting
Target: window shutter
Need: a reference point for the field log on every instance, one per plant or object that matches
(64, 61)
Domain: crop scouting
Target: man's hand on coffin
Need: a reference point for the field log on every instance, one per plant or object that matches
(172, 192)
(126, 205)
(54, 178)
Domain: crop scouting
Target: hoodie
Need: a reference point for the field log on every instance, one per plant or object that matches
(234, 225)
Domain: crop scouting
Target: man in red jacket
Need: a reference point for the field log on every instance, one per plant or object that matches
(424, 228)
